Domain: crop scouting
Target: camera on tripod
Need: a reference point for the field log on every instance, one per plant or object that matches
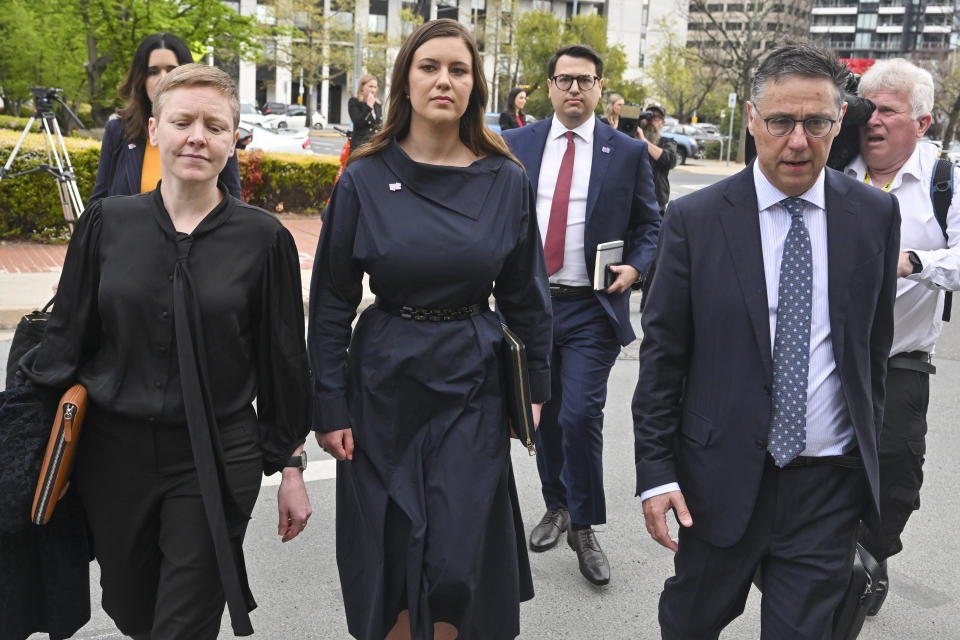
(631, 118)
(44, 97)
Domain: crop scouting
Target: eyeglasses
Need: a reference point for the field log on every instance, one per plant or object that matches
(563, 82)
(782, 126)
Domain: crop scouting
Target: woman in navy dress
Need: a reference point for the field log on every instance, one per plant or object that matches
(437, 211)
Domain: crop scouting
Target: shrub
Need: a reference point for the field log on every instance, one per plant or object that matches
(287, 181)
(30, 204)
(10, 122)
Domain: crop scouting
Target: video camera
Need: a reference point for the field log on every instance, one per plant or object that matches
(630, 118)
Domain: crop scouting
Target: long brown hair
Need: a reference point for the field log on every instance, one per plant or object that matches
(136, 108)
(473, 132)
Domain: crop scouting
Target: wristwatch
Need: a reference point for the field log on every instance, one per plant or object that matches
(915, 261)
(299, 461)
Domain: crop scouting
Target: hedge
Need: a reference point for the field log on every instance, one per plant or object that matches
(30, 205)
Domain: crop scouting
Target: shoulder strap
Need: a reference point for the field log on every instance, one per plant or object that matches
(941, 191)
(941, 195)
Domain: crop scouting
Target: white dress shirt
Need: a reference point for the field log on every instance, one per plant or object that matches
(829, 430)
(574, 269)
(919, 307)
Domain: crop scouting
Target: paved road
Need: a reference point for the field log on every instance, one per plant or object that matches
(297, 585)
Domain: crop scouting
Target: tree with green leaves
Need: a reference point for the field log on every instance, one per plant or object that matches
(541, 33)
(678, 76)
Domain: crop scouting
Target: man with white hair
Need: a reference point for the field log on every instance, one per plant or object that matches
(892, 158)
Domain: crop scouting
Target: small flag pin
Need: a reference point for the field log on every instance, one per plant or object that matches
(131, 146)
(605, 149)
(394, 186)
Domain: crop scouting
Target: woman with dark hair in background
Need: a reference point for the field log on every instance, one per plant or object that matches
(514, 117)
(129, 164)
(365, 111)
(440, 214)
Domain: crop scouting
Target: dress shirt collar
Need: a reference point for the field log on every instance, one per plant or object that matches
(923, 155)
(768, 195)
(584, 131)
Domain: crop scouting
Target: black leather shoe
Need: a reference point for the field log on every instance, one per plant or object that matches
(593, 561)
(880, 589)
(546, 534)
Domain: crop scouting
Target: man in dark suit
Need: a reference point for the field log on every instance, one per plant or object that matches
(766, 336)
(594, 185)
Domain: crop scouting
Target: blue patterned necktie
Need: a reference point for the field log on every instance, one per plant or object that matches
(791, 349)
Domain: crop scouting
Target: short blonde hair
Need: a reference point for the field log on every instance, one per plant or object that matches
(199, 75)
(897, 74)
(364, 79)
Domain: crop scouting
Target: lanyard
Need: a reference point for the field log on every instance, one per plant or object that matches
(866, 180)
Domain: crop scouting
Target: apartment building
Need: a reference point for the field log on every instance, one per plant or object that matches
(885, 28)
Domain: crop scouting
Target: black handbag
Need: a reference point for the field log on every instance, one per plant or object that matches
(517, 382)
(28, 334)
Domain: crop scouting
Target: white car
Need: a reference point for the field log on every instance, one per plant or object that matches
(250, 115)
(296, 118)
(282, 141)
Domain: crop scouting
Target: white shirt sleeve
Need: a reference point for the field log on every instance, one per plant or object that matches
(941, 267)
(656, 491)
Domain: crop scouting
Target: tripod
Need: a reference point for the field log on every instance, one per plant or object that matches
(58, 160)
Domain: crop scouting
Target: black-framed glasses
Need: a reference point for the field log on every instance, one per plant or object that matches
(782, 126)
(563, 82)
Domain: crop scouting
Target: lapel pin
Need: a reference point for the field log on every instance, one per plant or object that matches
(605, 149)
(394, 186)
(131, 146)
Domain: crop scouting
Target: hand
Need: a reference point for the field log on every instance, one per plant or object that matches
(293, 505)
(655, 514)
(640, 135)
(371, 99)
(339, 443)
(537, 407)
(626, 276)
(904, 266)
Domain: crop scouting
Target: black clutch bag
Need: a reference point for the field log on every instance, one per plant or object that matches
(517, 383)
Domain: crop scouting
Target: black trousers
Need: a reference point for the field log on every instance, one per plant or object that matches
(139, 487)
(902, 446)
(801, 535)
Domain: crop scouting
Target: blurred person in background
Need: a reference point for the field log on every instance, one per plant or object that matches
(514, 117)
(662, 151)
(365, 111)
(129, 162)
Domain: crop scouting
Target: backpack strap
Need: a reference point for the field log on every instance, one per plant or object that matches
(941, 195)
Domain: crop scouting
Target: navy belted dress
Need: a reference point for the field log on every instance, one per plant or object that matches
(427, 513)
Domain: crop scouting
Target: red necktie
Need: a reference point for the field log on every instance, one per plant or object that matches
(557, 227)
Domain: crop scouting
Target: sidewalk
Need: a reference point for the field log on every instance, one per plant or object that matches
(30, 270)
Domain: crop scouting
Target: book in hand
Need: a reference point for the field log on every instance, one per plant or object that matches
(517, 388)
(608, 253)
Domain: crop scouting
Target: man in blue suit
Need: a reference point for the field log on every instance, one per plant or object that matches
(765, 342)
(594, 185)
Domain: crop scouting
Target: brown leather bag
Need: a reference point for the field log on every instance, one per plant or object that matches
(61, 449)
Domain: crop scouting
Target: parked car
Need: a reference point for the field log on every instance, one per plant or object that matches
(274, 108)
(492, 121)
(282, 141)
(708, 128)
(296, 118)
(697, 133)
(687, 147)
(250, 115)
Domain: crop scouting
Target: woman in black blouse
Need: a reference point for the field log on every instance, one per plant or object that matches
(128, 163)
(440, 215)
(514, 117)
(176, 309)
(365, 111)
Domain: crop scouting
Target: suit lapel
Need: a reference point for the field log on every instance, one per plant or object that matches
(841, 253)
(602, 140)
(534, 151)
(741, 228)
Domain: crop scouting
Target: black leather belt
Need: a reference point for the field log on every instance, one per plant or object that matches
(849, 460)
(423, 314)
(913, 360)
(565, 292)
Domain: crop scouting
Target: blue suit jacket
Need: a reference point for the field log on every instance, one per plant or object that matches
(621, 204)
(121, 165)
(703, 400)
